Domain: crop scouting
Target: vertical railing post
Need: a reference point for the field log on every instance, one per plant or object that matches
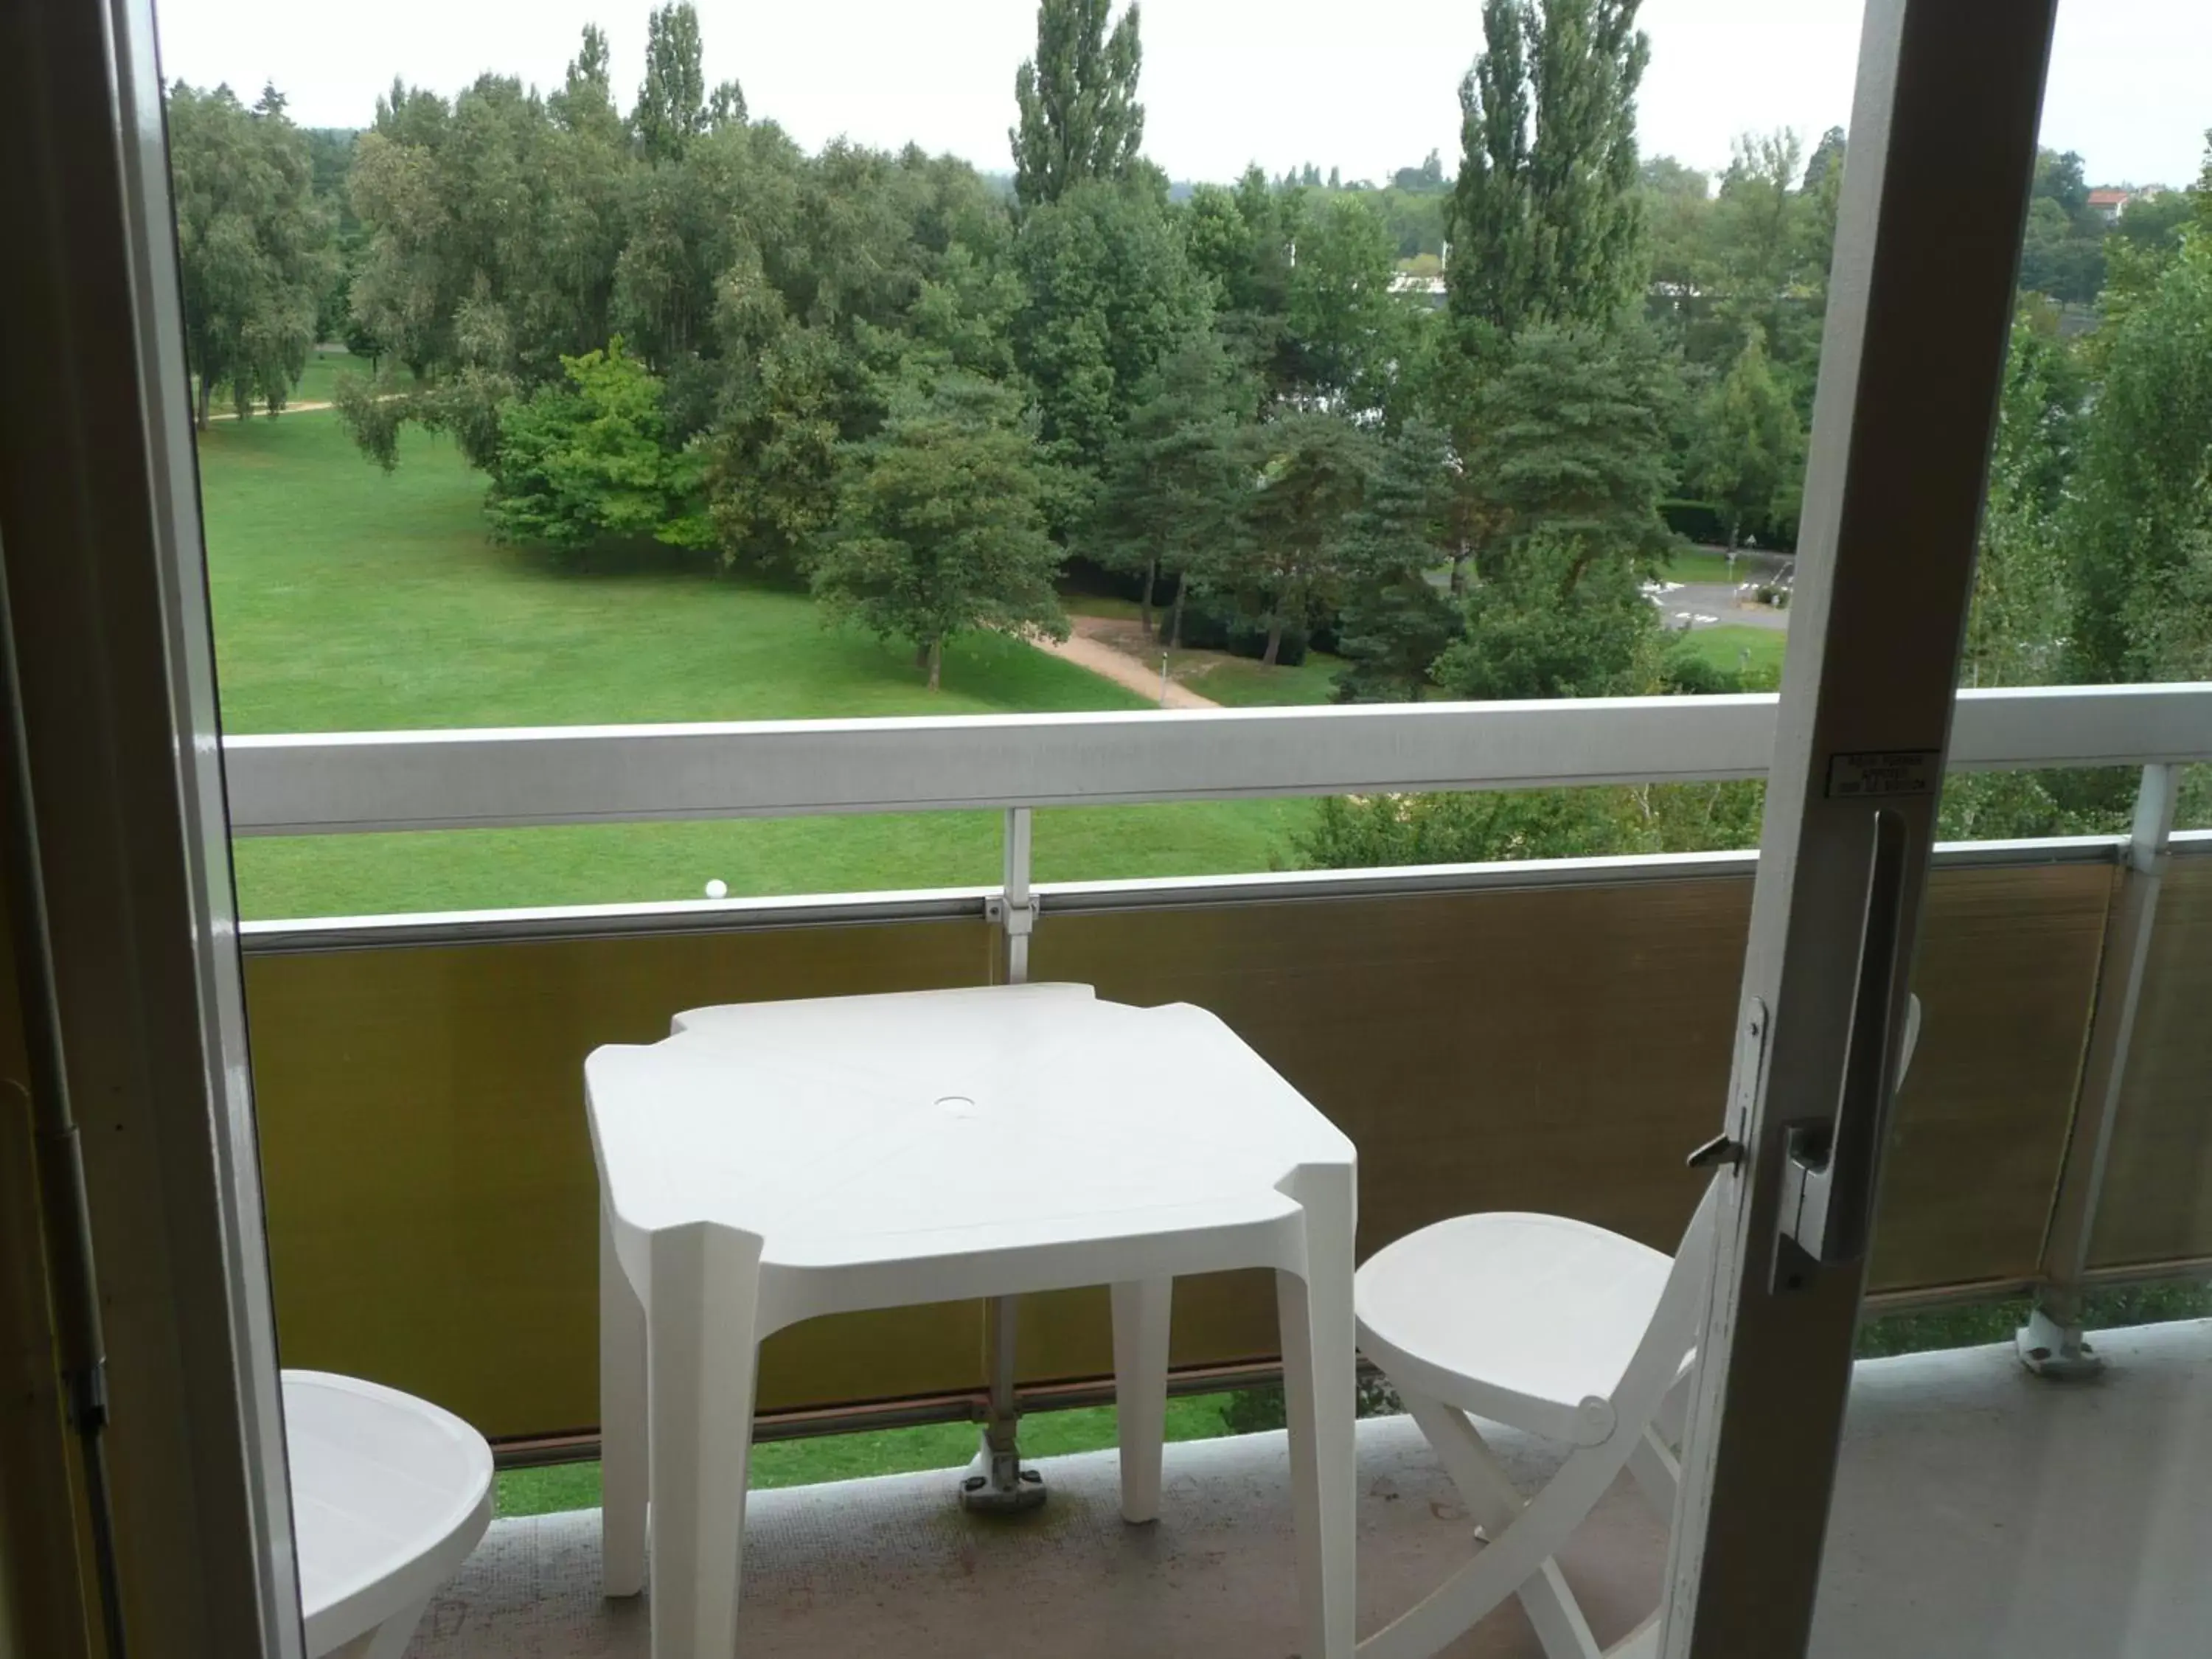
(996, 1479)
(2052, 1343)
(1017, 903)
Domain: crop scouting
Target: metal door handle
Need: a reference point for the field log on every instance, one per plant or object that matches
(1828, 1192)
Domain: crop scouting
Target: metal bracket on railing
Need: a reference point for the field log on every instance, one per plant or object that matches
(995, 1483)
(1019, 920)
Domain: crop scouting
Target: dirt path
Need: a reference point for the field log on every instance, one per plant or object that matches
(1102, 659)
(256, 414)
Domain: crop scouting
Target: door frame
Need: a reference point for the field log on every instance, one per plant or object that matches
(117, 789)
(1935, 197)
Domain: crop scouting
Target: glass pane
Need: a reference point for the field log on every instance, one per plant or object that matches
(525, 401)
(2024, 1464)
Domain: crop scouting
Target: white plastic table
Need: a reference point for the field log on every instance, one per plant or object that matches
(389, 1495)
(771, 1162)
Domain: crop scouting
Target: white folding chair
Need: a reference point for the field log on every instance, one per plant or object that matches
(1559, 1328)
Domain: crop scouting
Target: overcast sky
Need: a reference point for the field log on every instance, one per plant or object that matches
(1367, 86)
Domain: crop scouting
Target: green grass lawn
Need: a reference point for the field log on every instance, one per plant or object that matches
(1735, 647)
(322, 373)
(881, 1451)
(1696, 565)
(1242, 683)
(346, 600)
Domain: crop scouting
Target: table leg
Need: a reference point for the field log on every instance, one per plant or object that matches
(1319, 1396)
(622, 1424)
(1141, 1390)
(388, 1640)
(706, 1286)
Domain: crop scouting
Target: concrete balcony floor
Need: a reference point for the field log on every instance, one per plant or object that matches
(1980, 1511)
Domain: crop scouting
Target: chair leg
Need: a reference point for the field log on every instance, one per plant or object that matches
(1141, 1390)
(1496, 1506)
(622, 1425)
(1656, 1462)
(1658, 1471)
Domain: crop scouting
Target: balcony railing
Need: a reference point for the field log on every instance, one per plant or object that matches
(1548, 1036)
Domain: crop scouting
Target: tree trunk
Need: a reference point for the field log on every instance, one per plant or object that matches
(1151, 575)
(207, 393)
(1174, 625)
(1274, 644)
(921, 655)
(1459, 573)
(936, 660)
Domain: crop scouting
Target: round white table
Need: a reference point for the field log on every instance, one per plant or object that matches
(389, 1495)
(770, 1162)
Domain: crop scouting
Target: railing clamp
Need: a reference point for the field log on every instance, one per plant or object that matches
(1019, 919)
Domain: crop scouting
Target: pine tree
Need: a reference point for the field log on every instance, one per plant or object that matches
(1081, 119)
(1284, 567)
(1171, 479)
(1395, 622)
(1545, 222)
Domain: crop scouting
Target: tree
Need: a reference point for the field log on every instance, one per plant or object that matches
(1109, 294)
(1562, 464)
(1824, 168)
(778, 449)
(1381, 831)
(2063, 254)
(1283, 565)
(1171, 477)
(1396, 623)
(1239, 241)
(2139, 507)
(588, 462)
(2016, 627)
(1772, 243)
(1567, 436)
(466, 277)
(1563, 618)
(941, 529)
(2057, 259)
(1343, 327)
(252, 243)
(1079, 117)
(863, 277)
(1750, 460)
(671, 102)
(1546, 221)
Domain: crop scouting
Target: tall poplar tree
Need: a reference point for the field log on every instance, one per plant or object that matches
(1081, 119)
(672, 103)
(1546, 225)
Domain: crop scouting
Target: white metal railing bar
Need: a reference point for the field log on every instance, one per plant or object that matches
(335, 783)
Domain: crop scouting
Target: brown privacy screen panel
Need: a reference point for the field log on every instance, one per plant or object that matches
(1561, 1049)
(2157, 1201)
(432, 1206)
(432, 1202)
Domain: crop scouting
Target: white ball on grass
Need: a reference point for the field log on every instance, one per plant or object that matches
(718, 888)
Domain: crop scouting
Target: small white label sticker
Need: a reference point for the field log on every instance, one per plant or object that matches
(1883, 772)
